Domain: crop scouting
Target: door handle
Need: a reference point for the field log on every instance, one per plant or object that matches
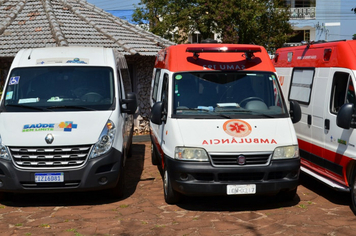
(309, 119)
(327, 124)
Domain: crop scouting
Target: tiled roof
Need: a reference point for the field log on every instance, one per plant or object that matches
(49, 23)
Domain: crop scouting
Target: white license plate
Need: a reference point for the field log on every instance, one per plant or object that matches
(241, 189)
(49, 177)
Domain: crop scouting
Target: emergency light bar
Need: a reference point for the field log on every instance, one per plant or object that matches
(247, 50)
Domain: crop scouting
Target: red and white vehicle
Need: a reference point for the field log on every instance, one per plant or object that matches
(219, 123)
(321, 77)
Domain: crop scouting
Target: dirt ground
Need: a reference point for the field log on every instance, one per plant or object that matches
(316, 210)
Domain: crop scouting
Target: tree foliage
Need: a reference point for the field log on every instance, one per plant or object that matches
(262, 22)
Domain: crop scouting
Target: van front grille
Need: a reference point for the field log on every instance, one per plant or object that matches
(45, 157)
(232, 160)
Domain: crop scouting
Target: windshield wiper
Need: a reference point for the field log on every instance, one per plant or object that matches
(223, 115)
(259, 113)
(192, 109)
(71, 107)
(28, 107)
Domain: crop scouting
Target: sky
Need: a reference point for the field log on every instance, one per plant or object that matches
(115, 4)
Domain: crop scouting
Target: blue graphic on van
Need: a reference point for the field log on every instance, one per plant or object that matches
(14, 80)
(76, 60)
(65, 126)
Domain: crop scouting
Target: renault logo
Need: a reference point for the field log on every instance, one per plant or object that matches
(241, 160)
(49, 138)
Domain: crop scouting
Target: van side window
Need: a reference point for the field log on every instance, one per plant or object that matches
(155, 85)
(121, 92)
(342, 91)
(126, 79)
(301, 86)
(164, 95)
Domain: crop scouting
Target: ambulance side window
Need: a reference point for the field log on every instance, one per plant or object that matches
(155, 85)
(342, 91)
(164, 94)
(301, 85)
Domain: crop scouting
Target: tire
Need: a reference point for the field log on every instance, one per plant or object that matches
(119, 190)
(154, 158)
(353, 191)
(170, 195)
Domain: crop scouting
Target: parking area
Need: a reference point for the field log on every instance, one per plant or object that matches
(316, 210)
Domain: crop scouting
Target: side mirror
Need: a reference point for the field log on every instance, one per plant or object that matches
(156, 113)
(344, 116)
(130, 102)
(295, 112)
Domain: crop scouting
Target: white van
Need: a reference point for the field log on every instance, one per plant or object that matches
(65, 122)
(321, 77)
(219, 123)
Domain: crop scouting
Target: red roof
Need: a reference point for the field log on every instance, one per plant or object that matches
(197, 57)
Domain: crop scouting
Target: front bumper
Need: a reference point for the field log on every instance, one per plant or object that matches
(197, 178)
(98, 173)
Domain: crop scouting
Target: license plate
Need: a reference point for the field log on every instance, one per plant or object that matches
(49, 177)
(241, 189)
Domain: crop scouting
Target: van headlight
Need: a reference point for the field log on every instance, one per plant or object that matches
(4, 153)
(286, 152)
(105, 142)
(190, 154)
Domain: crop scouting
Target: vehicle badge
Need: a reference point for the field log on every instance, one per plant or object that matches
(241, 160)
(49, 138)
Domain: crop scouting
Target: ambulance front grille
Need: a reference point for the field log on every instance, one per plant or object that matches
(233, 160)
(53, 157)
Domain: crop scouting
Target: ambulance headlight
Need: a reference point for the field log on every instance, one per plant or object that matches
(4, 153)
(190, 154)
(105, 142)
(286, 152)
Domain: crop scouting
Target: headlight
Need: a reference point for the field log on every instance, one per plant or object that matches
(4, 153)
(190, 154)
(286, 152)
(106, 139)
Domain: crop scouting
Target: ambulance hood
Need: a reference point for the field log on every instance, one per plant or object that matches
(249, 135)
(67, 128)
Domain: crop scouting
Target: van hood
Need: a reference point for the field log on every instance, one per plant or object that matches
(248, 135)
(67, 128)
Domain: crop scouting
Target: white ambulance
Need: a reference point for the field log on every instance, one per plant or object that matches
(219, 123)
(321, 77)
(65, 122)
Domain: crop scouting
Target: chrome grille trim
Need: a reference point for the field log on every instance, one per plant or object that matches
(230, 159)
(47, 158)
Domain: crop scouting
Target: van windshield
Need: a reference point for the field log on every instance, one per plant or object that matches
(228, 94)
(59, 88)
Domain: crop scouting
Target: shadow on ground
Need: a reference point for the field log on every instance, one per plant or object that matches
(336, 197)
(251, 203)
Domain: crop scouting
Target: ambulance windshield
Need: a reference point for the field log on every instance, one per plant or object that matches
(228, 94)
(59, 88)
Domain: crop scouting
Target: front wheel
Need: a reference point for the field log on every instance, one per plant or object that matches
(170, 195)
(353, 192)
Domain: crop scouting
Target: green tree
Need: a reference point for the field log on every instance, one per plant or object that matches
(263, 22)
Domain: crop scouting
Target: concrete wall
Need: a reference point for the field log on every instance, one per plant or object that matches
(142, 67)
